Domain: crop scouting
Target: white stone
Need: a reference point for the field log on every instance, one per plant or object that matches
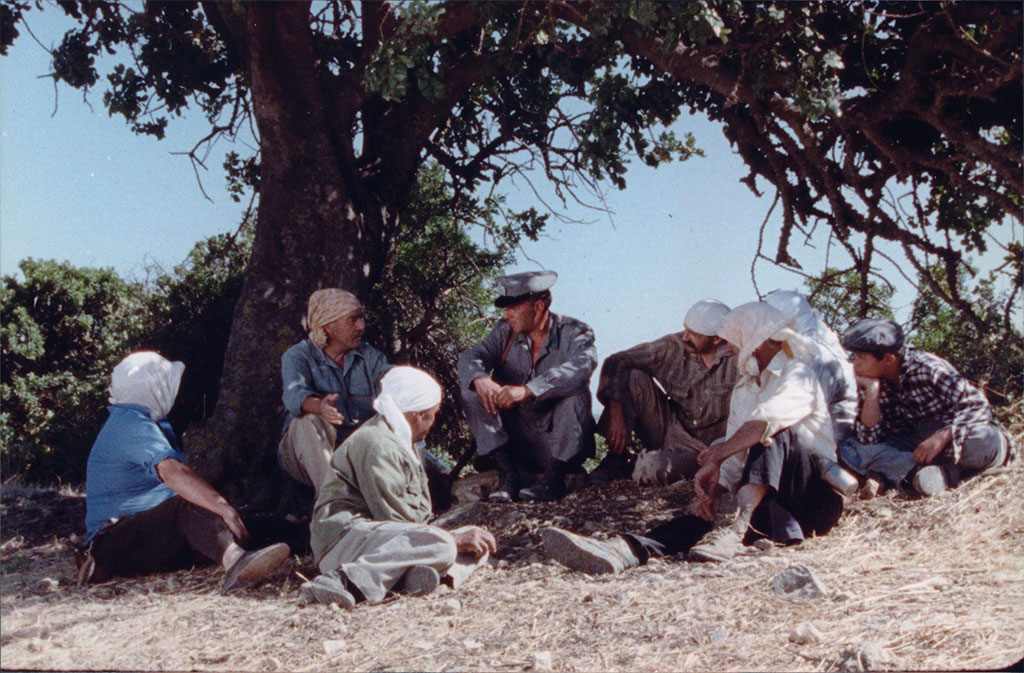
(332, 647)
(541, 661)
(805, 633)
(451, 607)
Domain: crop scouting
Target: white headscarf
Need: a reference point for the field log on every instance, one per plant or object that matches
(147, 379)
(405, 389)
(808, 320)
(705, 317)
(749, 325)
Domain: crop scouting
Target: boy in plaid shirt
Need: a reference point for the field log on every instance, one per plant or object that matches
(921, 424)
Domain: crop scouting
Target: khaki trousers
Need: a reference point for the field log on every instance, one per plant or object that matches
(306, 449)
(373, 555)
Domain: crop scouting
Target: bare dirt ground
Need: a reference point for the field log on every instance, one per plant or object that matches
(909, 585)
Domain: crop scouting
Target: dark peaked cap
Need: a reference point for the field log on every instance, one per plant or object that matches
(519, 287)
(871, 335)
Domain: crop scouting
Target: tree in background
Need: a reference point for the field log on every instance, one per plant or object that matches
(839, 295)
(830, 104)
(63, 331)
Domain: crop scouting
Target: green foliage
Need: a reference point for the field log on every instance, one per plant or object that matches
(64, 329)
(990, 353)
(838, 296)
(434, 299)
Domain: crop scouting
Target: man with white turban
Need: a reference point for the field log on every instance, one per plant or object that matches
(779, 436)
(779, 439)
(329, 381)
(673, 392)
(369, 532)
(146, 511)
(830, 362)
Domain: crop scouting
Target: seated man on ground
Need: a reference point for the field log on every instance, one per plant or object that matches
(329, 381)
(525, 390)
(146, 511)
(922, 425)
(369, 531)
(835, 374)
(778, 424)
(674, 392)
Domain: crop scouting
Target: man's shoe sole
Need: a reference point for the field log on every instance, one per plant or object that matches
(325, 590)
(418, 581)
(572, 551)
(254, 566)
(930, 480)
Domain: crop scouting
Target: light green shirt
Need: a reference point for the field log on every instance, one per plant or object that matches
(372, 477)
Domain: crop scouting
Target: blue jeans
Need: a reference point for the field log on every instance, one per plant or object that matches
(892, 458)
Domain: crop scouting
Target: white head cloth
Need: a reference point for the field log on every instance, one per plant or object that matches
(749, 325)
(705, 317)
(405, 389)
(147, 379)
(808, 320)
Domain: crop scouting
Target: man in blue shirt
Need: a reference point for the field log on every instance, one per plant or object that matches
(329, 382)
(146, 511)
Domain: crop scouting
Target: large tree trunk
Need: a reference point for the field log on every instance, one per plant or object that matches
(315, 228)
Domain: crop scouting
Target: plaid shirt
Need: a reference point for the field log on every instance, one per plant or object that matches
(931, 389)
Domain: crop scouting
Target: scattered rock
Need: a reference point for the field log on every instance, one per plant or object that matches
(472, 645)
(48, 585)
(798, 581)
(864, 656)
(423, 645)
(841, 596)
(718, 635)
(588, 598)
(561, 522)
(213, 658)
(332, 647)
(461, 515)
(541, 661)
(271, 664)
(764, 544)
(172, 584)
(451, 607)
(805, 633)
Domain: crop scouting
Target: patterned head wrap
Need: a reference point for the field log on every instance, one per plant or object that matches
(326, 306)
(147, 379)
(405, 389)
(749, 325)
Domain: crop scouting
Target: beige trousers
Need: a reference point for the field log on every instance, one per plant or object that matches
(306, 449)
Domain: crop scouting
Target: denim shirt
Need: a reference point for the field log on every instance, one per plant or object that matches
(306, 371)
(121, 477)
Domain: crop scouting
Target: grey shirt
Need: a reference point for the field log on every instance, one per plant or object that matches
(563, 367)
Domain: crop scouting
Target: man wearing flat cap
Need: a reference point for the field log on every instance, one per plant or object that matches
(525, 390)
(921, 424)
(673, 392)
(329, 381)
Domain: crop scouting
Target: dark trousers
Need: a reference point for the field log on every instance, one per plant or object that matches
(798, 503)
(171, 536)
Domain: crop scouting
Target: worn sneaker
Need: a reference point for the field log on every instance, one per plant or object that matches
(594, 557)
(842, 481)
(930, 479)
(325, 590)
(718, 544)
(254, 566)
(418, 581)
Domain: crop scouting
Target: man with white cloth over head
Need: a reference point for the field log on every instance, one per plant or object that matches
(369, 531)
(145, 510)
(778, 438)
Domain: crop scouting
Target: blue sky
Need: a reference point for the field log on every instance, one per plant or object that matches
(79, 186)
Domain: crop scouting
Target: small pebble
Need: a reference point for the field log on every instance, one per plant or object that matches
(48, 585)
(764, 544)
(805, 633)
(472, 645)
(332, 647)
(541, 661)
(451, 607)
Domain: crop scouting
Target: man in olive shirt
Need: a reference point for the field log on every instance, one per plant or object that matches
(369, 532)
(674, 392)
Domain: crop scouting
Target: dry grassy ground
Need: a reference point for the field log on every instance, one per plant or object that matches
(933, 584)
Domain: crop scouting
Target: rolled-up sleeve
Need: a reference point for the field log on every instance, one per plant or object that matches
(574, 373)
